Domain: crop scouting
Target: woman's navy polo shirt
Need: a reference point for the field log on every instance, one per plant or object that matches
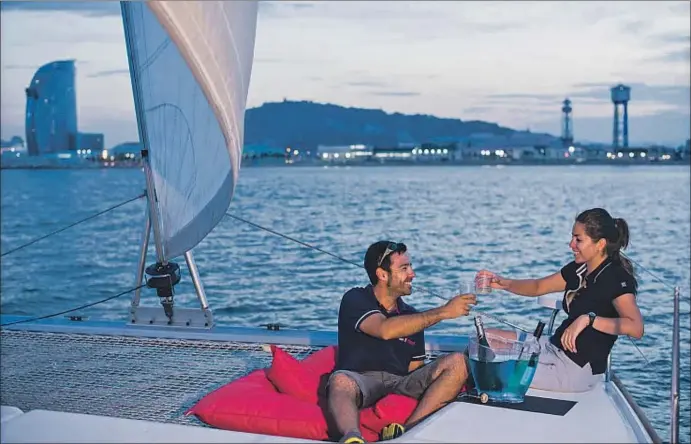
(360, 352)
(606, 283)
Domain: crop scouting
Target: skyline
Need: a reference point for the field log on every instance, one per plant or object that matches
(446, 59)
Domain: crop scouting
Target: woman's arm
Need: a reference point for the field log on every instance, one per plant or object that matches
(629, 322)
(528, 287)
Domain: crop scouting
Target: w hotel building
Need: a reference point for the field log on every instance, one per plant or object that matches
(51, 109)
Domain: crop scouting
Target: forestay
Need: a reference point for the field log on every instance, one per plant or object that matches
(191, 63)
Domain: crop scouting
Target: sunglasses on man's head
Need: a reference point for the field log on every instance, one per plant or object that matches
(391, 248)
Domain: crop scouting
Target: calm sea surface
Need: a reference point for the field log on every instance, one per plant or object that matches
(455, 220)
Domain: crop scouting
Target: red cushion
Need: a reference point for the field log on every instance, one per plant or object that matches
(395, 408)
(322, 361)
(251, 404)
(301, 379)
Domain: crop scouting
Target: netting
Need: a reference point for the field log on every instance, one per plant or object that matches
(120, 376)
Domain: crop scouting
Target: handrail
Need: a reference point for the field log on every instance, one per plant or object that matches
(636, 409)
(674, 425)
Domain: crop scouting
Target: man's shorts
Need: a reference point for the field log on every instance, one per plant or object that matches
(376, 385)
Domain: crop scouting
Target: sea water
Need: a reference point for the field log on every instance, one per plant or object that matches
(503, 380)
(520, 225)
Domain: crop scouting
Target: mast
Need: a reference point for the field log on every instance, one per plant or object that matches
(164, 275)
(141, 127)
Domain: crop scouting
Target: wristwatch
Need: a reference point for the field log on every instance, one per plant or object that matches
(592, 317)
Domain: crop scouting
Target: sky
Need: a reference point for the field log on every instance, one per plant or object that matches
(512, 63)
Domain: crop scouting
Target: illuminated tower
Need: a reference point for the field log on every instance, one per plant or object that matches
(621, 95)
(566, 124)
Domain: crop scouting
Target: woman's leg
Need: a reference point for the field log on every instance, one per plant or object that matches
(556, 372)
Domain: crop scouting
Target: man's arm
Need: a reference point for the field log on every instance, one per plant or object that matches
(380, 326)
(414, 365)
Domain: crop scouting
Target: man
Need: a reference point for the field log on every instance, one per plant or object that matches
(381, 346)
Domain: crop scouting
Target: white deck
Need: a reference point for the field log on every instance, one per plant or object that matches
(595, 418)
(44, 426)
(600, 415)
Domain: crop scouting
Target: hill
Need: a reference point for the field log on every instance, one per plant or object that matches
(308, 124)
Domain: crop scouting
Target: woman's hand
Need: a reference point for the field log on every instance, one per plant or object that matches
(497, 282)
(568, 339)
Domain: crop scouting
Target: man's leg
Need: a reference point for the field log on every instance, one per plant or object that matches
(438, 383)
(347, 393)
(344, 398)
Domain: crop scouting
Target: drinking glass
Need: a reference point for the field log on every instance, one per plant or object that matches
(482, 283)
(465, 287)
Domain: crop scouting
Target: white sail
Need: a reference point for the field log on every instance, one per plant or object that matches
(191, 63)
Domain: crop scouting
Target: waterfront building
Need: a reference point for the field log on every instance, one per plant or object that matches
(51, 109)
(344, 153)
(127, 151)
(254, 151)
(14, 145)
(90, 142)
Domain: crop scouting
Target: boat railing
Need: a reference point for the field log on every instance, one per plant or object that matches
(555, 303)
(674, 432)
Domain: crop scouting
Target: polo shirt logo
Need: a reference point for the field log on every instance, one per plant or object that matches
(623, 285)
(407, 341)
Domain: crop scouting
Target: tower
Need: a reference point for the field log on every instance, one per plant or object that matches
(621, 95)
(51, 109)
(566, 124)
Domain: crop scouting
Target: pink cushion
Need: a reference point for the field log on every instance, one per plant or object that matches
(251, 404)
(274, 401)
(301, 379)
(394, 408)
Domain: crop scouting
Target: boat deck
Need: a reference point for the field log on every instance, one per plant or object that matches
(593, 417)
(104, 382)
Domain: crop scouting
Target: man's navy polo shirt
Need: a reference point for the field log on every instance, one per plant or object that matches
(360, 352)
(606, 283)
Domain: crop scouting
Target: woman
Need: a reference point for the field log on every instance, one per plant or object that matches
(599, 298)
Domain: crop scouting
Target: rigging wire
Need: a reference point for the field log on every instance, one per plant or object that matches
(71, 225)
(305, 244)
(432, 293)
(276, 233)
(110, 298)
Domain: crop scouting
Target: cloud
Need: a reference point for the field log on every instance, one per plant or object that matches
(282, 8)
(675, 95)
(634, 26)
(672, 38)
(395, 93)
(674, 56)
(537, 103)
(680, 8)
(268, 60)
(668, 127)
(511, 97)
(110, 72)
(85, 8)
(21, 67)
(367, 83)
(477, 109)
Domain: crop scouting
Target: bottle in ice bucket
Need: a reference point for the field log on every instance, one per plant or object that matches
(536, 334)
(484, 352)
(533, 360)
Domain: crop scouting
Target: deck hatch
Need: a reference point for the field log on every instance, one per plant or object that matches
(534, 404)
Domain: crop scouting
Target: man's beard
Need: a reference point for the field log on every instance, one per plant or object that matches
(398, 290)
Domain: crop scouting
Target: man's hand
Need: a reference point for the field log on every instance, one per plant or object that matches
(459, 305)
